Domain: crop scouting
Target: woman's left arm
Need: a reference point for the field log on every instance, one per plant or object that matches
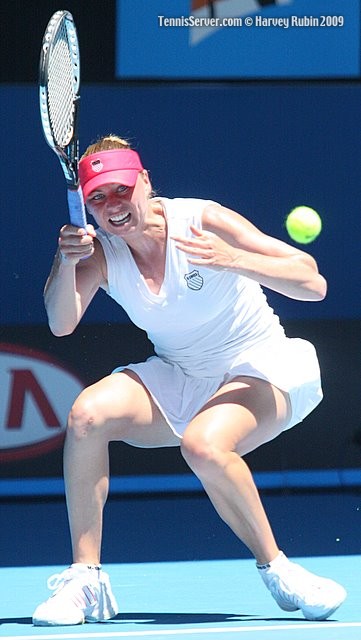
(228, 241)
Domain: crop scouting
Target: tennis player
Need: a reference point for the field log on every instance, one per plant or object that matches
(225, 379)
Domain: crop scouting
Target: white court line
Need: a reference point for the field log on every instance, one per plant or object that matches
(179, 632)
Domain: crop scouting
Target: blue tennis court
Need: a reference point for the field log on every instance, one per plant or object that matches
(217, 599)
(174, 567)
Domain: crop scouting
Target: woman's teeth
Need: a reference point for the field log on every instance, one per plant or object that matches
(120, 219)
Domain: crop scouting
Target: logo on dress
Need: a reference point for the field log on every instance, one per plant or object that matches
(194, 280)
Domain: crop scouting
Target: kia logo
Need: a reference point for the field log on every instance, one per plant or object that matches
(36, 393)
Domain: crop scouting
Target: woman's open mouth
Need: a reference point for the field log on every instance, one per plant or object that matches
(120, 219)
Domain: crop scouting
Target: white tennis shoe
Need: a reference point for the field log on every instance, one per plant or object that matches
(295, 588)
(81, 594)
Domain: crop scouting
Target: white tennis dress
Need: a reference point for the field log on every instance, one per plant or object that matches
(207, 326)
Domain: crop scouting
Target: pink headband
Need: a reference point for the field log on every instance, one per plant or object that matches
(105, 167)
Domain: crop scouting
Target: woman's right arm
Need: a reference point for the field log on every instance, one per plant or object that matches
(77, 273)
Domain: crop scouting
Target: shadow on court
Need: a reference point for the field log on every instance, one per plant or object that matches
(16, 621)
(172, 619)
(196, 618)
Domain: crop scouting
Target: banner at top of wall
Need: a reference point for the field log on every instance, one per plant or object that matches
(240, 39)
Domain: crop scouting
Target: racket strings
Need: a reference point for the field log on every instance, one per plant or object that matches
(62, 84)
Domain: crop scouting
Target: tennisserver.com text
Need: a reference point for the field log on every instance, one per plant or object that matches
(253, 21)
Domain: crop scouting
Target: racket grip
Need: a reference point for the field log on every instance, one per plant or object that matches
(76, 207)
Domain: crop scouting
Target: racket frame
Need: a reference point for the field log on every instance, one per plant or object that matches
(67, 153)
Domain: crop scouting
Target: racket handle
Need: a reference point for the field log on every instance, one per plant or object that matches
(76, 207)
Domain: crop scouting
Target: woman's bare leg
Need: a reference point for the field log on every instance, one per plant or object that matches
(241, 416)
(116, 408)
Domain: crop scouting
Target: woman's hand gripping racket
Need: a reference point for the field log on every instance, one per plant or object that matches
(59, 81)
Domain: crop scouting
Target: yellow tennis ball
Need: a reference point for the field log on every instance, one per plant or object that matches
(303, 224)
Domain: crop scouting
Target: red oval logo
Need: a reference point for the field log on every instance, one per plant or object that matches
(36, 393)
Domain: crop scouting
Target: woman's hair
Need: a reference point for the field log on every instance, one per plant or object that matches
(106, 143)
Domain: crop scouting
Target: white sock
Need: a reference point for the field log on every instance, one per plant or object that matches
(273, 565)
(83, 565)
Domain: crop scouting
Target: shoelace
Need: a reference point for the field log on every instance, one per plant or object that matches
(57, 580)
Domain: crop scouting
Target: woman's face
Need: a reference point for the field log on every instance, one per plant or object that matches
(118, 209)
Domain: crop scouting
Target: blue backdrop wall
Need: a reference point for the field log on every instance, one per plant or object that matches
(258, 148)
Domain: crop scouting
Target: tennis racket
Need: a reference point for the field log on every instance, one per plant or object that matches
(59, 81)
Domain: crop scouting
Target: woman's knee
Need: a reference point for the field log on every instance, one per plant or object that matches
(85, 416)
(201, 454)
